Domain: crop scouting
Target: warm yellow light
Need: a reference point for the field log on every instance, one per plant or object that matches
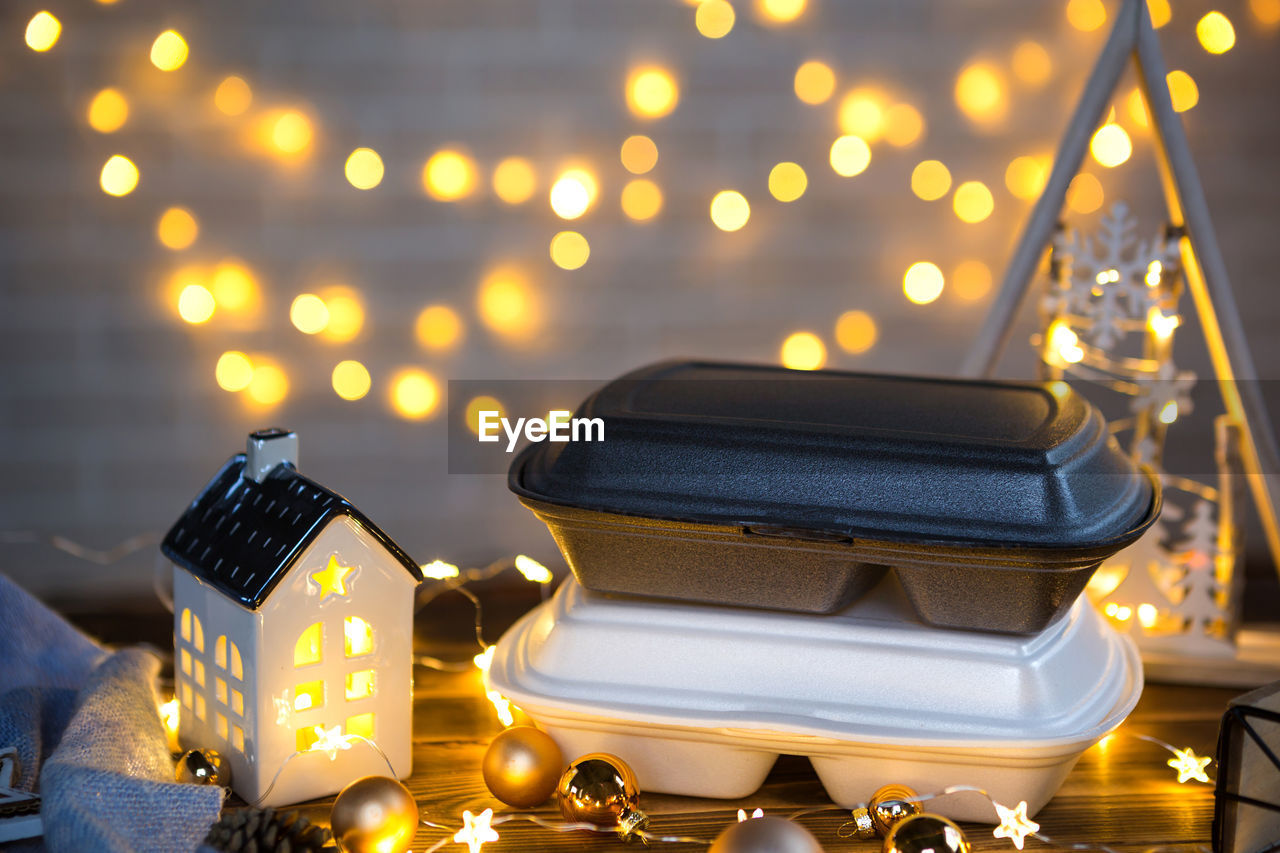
(1026, 176)
(1183, 91)
(730, 210)
(780, 11)
(269, 385)
(507, 304)
(803, 351)
(1265, 12)
(1169, 413)
(1189, 765)
(1136, 106)
(856, 332)
(1086, 15)
(291, 132)
(449, 175)
(483, 403)
(532, 569)
(815, 82)
(1064, 344)
(1160, 325)
(177, 228)
(641, 199)
(234, 286)
(1084, 195)
(787, 181)
(309, 314)
(233, 96)
(1111, 608)
(652, 92)
(169, 51)
(922, 282)
(1124, 613)
(573, 193)
(233, 371)
(332, 579)
(1031, 64)
(930, 180)
(438, 327)
(346, 314)
(1110, 146)
(973, 202)
(639, 154)
(850, 155)
(1147, 615)
(108, 111)
(1160, 12)
(364, 168)
(971, 280)
(569, 250)
(359, 685)
(1215, 32)
(43, 31)
(196, 304)
(476, 831)
(980, 93)
(414, 394)
(903, 125)
(862, 113)
(714, 18)
(357, 637)
(169, 715)
(440, 570)
(514, 180)
(119, 175)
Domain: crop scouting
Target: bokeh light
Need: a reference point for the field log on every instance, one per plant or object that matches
(177, 228)
(290, 132)
(449, 175)
(196, 304)
(1110, 145)
(714, 18)
(903, 125)
(508, 305)
(803, 351)
(652, 92)
(350, 380)
(514, 180)
(1031, 64)
(233, 96)
(930, 180)
(169, 51)
(922, 282)
(43, 31)
(234, 371)
(1183, 91)
(414, 394)
(269, 385)
(856, 332)
(862, 113)
(346, 313)
(108, 111)
(309, 314)
(850, 155)
(1215, 32)
(1026, 176)
(639, 154)
(973, 201)
(971, 280)
(1160, 11)
(119, 176)
(573, 193)
(1265, 12)
(774, 12)
(569, 250)
(1086, 15)
(235, 286)
(981, 93)
(364, 169)
(438, 327)
(815, 82)
(641, 199)
(730, 210)
(787, 181)
(1136, 106)
(1084, 195)
(483, 403)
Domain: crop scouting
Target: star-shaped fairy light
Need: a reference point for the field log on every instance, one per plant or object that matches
(532, 569)
(332, 579)
(440, 570)
(743, 816)
(1189, 765)
(329, 741)
(502, 706)
(476, 830)
(1014, 823)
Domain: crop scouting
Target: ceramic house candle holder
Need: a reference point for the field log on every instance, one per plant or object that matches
(293, 623)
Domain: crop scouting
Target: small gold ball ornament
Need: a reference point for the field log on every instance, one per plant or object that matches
(887, 806)
(202, 767)
(601, 789)
(522, 766)
(375, 814)
(765, 835)
(926, 833)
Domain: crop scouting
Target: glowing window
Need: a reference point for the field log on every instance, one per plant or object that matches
(237, 738)
(220, 652)
(221, 725)
(220, 690)
(186, 624)
(237, 701)
(198, 633)
(309, 695)
(186, 661)
(186, 694)
(307, 735)
(361, 725)
(359, 635)
(359, 684)
(200, 708)
(200, 673)
(237, 664)
(308, 649)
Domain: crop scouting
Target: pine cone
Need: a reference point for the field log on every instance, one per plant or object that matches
(263, 831)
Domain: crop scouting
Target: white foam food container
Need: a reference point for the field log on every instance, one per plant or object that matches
(700, 700)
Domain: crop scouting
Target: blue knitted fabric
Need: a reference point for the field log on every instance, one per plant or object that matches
(91, 742)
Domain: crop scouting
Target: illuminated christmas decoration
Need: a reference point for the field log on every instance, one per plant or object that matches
(476, 831)
(1189, 765)
(1014, 824)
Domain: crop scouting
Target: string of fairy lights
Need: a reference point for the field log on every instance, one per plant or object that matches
(866, 113)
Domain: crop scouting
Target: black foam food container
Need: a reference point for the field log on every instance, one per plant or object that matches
(993, 502)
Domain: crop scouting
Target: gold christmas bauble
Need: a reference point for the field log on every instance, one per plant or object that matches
(522, 766)
(375, 814)
(926, 833)
(889, 805)
(202, 767)
(765, 835)
(601, 789)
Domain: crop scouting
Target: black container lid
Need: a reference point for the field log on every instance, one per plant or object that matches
(844, 454)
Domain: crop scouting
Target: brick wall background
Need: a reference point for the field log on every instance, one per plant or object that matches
(110, 419)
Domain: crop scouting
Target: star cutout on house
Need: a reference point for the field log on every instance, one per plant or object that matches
(332, 579)
(1189, 765)
(476, 830)
(1014, 823)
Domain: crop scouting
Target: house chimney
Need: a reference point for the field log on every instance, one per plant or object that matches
(268, 448)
